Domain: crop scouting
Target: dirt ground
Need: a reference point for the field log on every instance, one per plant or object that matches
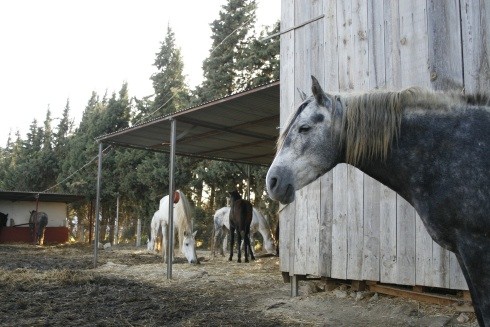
(58, 286)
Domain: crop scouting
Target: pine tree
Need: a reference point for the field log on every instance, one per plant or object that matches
(230, 34)
(169, 82)
(260, 61)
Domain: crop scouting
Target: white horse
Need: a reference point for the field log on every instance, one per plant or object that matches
(182, 223)
(222, 227)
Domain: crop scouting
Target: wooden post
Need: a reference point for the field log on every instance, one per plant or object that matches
(91, 221)
(116, 222)
(171, 190)
(138, 233)
(97, 203)
(294, 286)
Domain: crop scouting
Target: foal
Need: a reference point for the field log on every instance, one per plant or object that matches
(240, 219)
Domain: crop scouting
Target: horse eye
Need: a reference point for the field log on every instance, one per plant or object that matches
(304, 129)
(186, 244)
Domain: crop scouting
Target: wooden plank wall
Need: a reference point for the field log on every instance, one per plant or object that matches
(346, 225)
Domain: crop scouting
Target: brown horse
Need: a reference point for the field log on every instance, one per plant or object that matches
(241, 212)
(3, 219)
(37, 224)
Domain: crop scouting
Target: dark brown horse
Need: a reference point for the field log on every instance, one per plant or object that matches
(241, 212)
(3, 219)
(37, 224)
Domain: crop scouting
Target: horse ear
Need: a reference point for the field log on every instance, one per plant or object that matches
(194, 234)
(321, 97)
(302, 95)
(186, 234)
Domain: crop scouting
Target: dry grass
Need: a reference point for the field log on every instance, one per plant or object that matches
(57, 286)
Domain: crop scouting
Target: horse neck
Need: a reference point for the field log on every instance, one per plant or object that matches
(429, 141)
(183, 211)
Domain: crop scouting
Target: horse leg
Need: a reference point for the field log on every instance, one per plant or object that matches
(232, 239)
(42, 229)
(214, 237)
(164, 242)
(251, 243)
(475, 263)
(224, 242)
(239, 245)
(246, 246)
(250, 247)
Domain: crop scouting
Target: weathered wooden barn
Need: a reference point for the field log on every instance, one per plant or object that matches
(346, 225)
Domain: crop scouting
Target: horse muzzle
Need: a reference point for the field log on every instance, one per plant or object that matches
(280, 185)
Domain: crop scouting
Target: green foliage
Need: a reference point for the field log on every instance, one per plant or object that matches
(171, 93)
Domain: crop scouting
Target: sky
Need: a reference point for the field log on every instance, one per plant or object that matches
(55, 50)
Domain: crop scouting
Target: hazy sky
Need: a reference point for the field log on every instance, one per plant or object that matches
(52, 50)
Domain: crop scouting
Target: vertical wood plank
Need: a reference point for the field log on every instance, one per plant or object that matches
(286, 214)
(388, 234)
(476, 44)
(424, 247)
(414, 248)
(444, 28)
(330, 81)
(392, 44)
(355, 223)
(405, 246)
(371, 246)
(308, 49)
(339, 222)
(326, 214)
(372, 188)
(357, 71)
(414, 43)
(301, 68)
(388, 205)
(315, 214)
(340, 196)
(301, 237)
(456, 278)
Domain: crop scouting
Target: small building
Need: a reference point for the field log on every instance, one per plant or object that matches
(18, 206)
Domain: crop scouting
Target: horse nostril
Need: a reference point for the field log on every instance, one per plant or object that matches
(273, 182)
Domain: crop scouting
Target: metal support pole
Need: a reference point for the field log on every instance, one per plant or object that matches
(171, 190)
(36, 225)
(91, 223)
(97, 205)
(116, 223)
(248, 182)
(138, 232)
(294, 286)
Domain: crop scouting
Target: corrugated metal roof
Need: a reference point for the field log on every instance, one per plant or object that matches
(43, 197)
(241, 128)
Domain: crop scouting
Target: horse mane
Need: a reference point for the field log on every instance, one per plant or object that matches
(372, 121)
(184, 209)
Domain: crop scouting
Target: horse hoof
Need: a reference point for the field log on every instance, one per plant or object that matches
(246, 260)
(229, 259)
